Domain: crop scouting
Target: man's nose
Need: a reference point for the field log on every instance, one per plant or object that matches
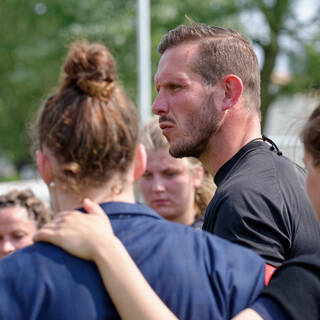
(160, 105)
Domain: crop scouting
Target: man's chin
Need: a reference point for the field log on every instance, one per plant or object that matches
(183, 151)
(176, 153)
(169, 137)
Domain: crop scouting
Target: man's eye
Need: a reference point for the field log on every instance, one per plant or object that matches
(174, 86)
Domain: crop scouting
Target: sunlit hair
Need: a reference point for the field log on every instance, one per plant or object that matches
(36, 209)
(152, 138)
(89, 125)
(221, 52)
(310, 136)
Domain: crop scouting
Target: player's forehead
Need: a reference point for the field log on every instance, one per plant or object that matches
(161, 160)
(176, 62)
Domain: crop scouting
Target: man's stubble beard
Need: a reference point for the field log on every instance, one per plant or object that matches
(202, 125)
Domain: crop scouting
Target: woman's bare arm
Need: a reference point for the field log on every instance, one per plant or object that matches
(247, 314)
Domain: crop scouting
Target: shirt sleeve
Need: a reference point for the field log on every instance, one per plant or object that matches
(269, 309)
(250, 219)
(229, 266)
(295, 289)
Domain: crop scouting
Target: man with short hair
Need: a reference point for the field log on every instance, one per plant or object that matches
(208, 102)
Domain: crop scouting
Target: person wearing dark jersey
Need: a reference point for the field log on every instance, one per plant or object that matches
(295, 286)
(208, 103)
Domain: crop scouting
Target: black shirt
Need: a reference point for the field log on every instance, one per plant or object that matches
(261, 203)
(294, 289)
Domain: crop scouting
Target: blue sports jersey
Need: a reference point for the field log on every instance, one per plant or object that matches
(197, 275)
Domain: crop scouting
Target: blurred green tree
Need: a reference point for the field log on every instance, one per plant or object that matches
(34, 35)
(34, 38)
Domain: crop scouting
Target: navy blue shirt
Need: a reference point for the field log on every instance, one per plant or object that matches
(198, 275)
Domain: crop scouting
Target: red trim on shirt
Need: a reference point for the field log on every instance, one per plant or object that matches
(269, 272)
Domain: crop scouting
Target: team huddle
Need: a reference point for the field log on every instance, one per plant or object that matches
(262, 234)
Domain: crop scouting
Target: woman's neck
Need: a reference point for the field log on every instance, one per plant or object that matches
(62, 200)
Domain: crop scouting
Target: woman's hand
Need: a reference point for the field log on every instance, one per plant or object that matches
(78, 233)
(90, 236)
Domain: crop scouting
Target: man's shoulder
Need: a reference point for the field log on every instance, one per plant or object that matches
(261, 170)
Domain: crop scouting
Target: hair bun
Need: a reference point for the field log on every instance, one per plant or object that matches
(91, 68)
(98, 89)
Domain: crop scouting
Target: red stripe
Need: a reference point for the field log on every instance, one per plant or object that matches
(269, 272)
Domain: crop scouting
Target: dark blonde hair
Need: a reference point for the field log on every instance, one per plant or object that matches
(221, 51)
(36, 209)
(310, 136)
(152, 138)
(89, 125)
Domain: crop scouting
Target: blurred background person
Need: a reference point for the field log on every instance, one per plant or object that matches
(310, 137)
(21, 215)
(178, 189)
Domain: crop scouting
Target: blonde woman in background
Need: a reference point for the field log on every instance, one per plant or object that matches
(178, 189)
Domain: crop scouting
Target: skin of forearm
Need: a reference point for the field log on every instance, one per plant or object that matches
(247, 314)
(128, 289)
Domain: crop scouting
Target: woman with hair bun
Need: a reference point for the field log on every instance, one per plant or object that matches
(87, 131)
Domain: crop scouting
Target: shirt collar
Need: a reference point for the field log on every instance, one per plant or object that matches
(252, 145)
(124, 208)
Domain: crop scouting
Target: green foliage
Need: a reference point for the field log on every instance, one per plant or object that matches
(35, 34)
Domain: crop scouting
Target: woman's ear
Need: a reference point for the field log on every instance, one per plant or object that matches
(140, 161)
(198, 174)
(233, 88)
(44, 167)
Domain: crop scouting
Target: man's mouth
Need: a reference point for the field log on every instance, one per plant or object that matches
(165, 124)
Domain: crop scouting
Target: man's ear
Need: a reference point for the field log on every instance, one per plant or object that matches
(140, 161)
(233, 88)
(44, 167)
